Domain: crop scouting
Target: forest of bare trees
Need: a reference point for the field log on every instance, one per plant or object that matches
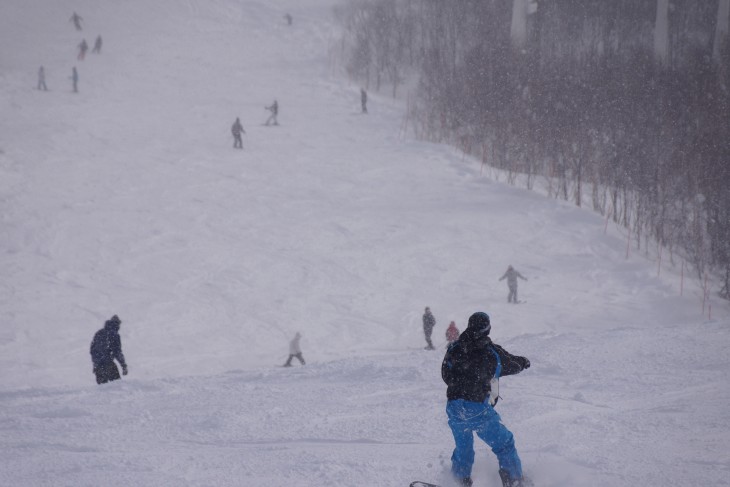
(621, 105)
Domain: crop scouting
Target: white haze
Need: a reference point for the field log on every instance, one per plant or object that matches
(128, 198)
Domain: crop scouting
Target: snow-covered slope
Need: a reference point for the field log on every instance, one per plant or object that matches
(128, 198)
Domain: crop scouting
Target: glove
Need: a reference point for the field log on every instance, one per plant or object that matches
(527, 363)
(124, 369)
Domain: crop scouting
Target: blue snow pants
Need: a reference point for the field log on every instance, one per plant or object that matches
(466, 418)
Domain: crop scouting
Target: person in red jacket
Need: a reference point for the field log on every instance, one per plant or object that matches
(83, 47)
(452, 333)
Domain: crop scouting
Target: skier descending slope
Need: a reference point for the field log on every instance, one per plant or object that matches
(428, 323)
(237, 130)
(511, 274)
(471, 370)
(274, 109)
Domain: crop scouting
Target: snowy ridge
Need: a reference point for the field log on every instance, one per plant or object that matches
(128, 198)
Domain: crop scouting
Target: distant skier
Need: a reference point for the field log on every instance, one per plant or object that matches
(97, 45)
(471, 369)
(76, 19)
(364, 100)
(428, 323)
(237, 130)
(83, 47)
(42, 79)
(289, 19)
(295, 350)
(511, 275)
(452, 333)
(105, 348)
(274, 109)
(75, 79)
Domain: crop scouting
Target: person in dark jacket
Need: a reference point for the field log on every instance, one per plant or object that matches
(105, 348)
(237, 130)
(97, 45)
(471, 370)
(295, 350)
(76, 19)
(428, 323)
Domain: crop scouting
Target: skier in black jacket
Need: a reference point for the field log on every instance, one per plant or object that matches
(237, 130)
(471, 370)
(428, 323)
(105, 347)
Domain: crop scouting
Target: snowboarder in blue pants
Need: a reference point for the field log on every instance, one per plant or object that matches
(471, 370)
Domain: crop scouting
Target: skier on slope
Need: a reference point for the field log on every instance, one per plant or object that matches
(428, 323)
(452, 333)
(237, 130)
(364, 100)
(75, 79)
(274, 109)
(76, 19)
(105, 348)
(469, 369)
(97, 45)
(83, 47)
(42, 79)
(511, 274)
(295, 350)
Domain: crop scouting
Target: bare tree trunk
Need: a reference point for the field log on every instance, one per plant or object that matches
(518, 31)
(721, 28)
(661, 32)
(578, 176)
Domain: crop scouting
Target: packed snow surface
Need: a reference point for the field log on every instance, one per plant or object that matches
(128, 198)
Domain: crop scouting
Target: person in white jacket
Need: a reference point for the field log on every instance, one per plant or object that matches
(295, 350)
(511, 275)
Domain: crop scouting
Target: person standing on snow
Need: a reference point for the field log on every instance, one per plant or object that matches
(97, 45)
(511, 274)
(471, 369)
(83, 47)
(295, 350)
(274, 109)
(105, 348)
(237, 130)
(42, 79)
(428, 323)
(364, 100)
(452, 333)
(76, 19)
(75, 79)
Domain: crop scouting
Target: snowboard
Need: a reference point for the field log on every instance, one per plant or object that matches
(418, 483)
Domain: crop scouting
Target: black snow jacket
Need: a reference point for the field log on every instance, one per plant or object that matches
(429, 321)
(470, 364)
(107, 345)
